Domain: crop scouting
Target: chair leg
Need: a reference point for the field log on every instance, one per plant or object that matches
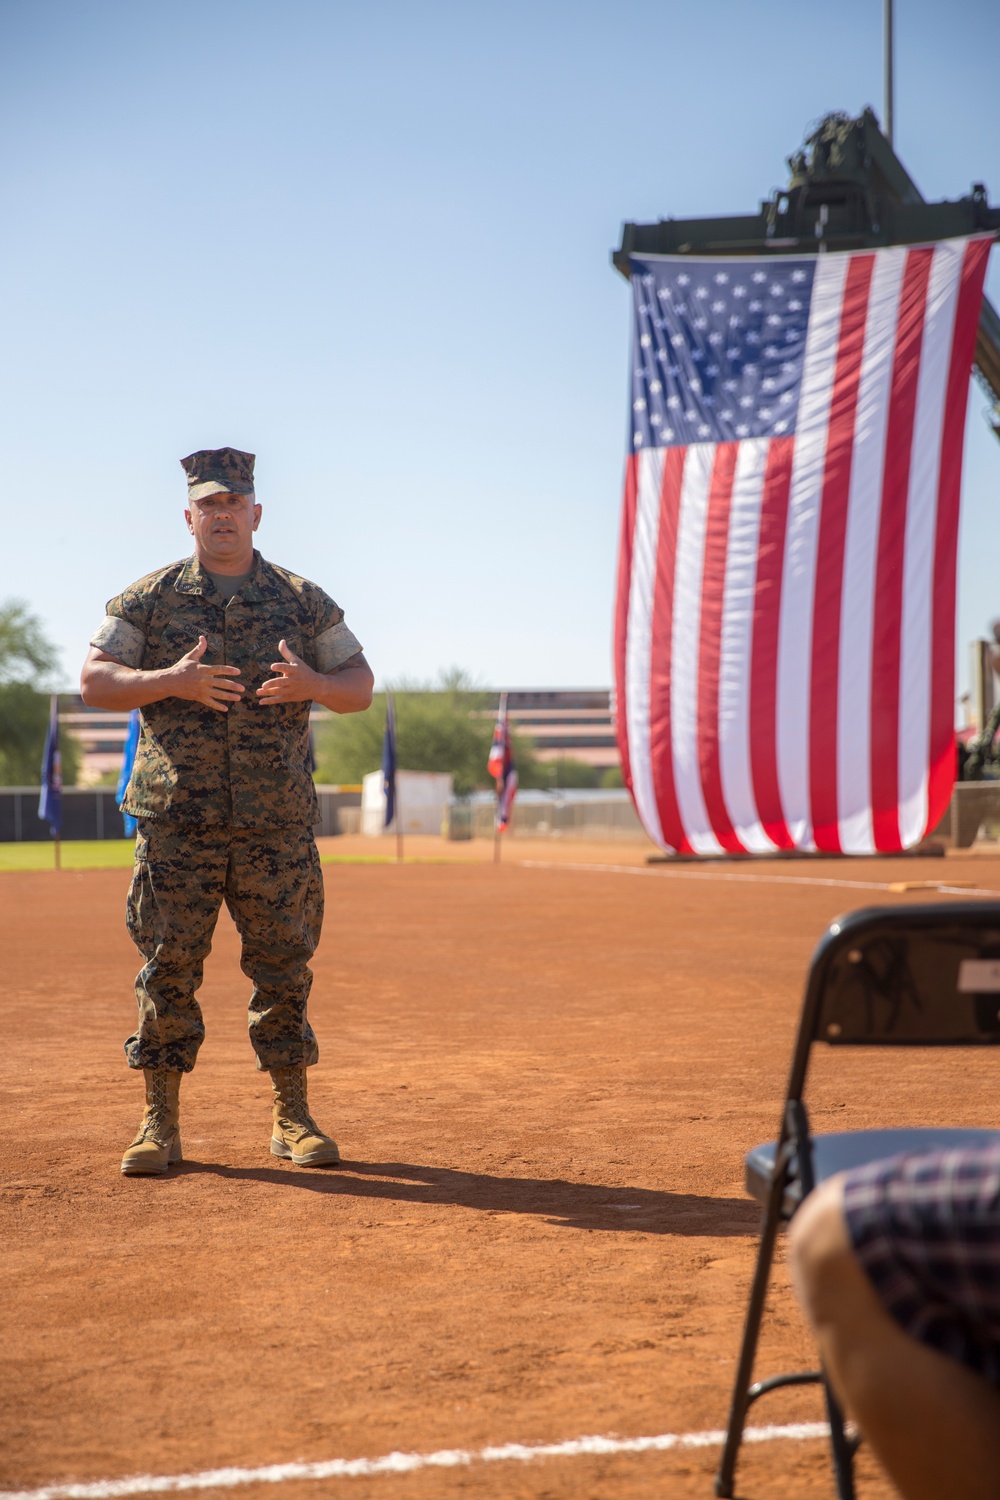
(724, 1479)
(841, 1447)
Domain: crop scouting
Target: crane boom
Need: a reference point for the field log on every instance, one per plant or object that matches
(848, 190)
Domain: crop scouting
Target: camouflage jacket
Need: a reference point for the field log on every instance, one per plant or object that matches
(250, 767)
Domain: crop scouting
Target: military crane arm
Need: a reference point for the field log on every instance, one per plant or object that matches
(848, 191)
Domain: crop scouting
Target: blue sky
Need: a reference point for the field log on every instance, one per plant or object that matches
(370, 243)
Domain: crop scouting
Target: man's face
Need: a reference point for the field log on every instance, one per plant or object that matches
(223, 527)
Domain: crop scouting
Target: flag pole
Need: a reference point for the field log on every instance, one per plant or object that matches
(887, 70)
(501, 767)
(496, 816)
(50, 793)
(392, 811)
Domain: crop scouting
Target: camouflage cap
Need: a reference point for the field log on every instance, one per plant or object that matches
(218, 471)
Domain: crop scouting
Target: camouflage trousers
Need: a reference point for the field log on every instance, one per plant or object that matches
(272, 883)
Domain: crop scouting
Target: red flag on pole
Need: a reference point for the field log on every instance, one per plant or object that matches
(501, 767)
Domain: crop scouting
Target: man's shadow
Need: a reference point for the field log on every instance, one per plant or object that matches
(571, 1205)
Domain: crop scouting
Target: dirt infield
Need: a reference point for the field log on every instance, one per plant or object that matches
(543, 1079)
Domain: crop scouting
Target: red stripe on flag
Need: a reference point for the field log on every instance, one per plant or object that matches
(886, 648)
(660, 736)
(828, 594)
(764, 647)
(713, 588)
(941, 750)
(621, 612)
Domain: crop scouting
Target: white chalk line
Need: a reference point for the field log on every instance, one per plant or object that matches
(661, 873)
(406, 1463)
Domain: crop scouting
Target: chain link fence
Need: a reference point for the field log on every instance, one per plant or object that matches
(590, 815)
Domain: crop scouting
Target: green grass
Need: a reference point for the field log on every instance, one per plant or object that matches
(77, 854)
(117, 854)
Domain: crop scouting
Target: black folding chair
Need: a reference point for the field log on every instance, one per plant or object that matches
(923, 976)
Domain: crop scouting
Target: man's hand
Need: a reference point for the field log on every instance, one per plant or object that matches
(296, 682)
(212, 686)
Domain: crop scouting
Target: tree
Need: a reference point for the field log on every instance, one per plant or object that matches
(28, 665)
(444, 728)
(26, 653)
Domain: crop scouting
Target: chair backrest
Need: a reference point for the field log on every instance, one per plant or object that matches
(904, 975)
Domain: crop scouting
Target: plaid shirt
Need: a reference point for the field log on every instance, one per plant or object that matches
(926, 1228)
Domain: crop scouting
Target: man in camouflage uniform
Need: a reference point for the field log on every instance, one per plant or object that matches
(224, 655)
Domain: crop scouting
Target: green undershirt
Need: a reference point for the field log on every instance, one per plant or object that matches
(228, 584)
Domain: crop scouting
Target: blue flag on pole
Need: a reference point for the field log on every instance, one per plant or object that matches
(389, 759)
(128, 760)
(50, 800)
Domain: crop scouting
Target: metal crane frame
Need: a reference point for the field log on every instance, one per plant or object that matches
(848, 191)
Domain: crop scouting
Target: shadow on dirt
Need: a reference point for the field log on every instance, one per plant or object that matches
(571, 1205)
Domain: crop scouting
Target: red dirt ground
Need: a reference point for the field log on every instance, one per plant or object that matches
(543, 1081)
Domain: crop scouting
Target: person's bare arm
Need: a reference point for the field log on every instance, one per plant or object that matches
(345, 690)
(934, 1424)
(106, 682)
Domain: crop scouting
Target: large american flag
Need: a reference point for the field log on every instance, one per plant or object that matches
(784, 634)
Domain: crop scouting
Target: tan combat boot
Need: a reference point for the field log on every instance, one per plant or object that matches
(158, 1144)
(296, 1137)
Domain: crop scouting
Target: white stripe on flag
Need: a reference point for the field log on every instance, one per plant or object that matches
(638, 646)
(691, 527)
(799, 578)
(857, 615)
(736, 648)
(921, 528)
